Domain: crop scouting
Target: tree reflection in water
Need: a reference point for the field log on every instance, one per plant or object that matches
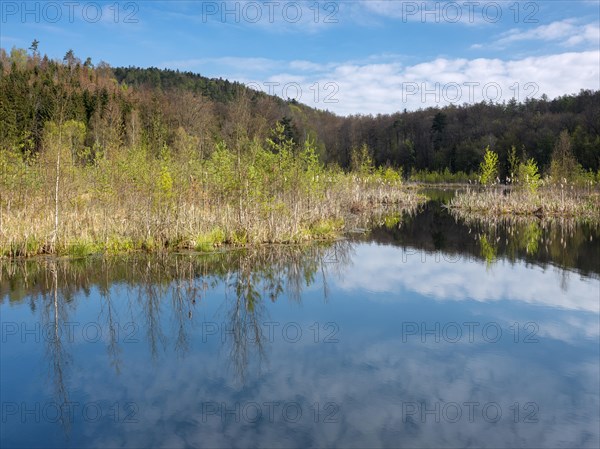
(567, 243)
(54, 313)
(160, 295)
(162, 300)
(167, 285)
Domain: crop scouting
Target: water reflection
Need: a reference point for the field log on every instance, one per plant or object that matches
(53, 315)
(417, 335)
(153, 300)
(563, 242)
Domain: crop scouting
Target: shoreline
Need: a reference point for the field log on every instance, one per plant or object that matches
(355, 215)
(358, 208)
(548, 202)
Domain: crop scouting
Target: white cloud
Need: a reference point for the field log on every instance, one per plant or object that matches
(374, 86)
(370, 374)
(552, 31)
(399, 270)
(308, 66)
(568, 32)
(590, 34)
(370, 384)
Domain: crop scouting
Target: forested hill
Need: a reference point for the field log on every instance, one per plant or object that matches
(121, 107)
(219, 90)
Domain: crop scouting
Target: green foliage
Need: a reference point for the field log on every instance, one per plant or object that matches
(159, 166)
(34, 46)
(531, 237)
(392, 221)
(488, 250)
(529, 175)
(159, 79)
(28, 247)
(361, 161)
(488, 170)
(326, 229)
(444, 176)
(123, 107)
(165, 181)
(513, 163)
(312, 170)
(81, 248)
(119, 245)
(281, 139)
(209, 241)
(18, 58)
(239, 238)
(68, 139)
(564, 167)
(185, 145)
(14, 172)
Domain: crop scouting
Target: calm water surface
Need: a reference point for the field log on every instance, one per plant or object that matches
(431, 332)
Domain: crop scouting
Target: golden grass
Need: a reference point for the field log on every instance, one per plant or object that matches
(548, 202)
(132, 220)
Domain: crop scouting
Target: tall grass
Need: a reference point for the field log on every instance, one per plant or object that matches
(548, 201)
(140, 198)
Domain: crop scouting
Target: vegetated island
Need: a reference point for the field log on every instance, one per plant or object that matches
(567, 191)
(95, 159)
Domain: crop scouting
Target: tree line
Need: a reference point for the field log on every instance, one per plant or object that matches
(123, 107)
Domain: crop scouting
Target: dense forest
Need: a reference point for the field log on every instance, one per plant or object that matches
(154, 108)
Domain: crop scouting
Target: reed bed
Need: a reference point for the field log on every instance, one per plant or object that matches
(135, 200)
(548, 202)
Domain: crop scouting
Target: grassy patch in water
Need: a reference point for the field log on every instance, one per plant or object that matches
(546, 202)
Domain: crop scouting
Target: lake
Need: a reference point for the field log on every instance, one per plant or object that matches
(429, 331)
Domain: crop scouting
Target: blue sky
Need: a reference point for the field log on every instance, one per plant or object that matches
(346, 56)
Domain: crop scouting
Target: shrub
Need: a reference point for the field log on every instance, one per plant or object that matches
(488, 170)
(529, 175)
(564, 166)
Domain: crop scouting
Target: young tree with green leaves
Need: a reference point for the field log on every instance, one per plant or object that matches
(513, 164)
(529, 175)
(564, 166)
(361, 161)
(488, 169)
